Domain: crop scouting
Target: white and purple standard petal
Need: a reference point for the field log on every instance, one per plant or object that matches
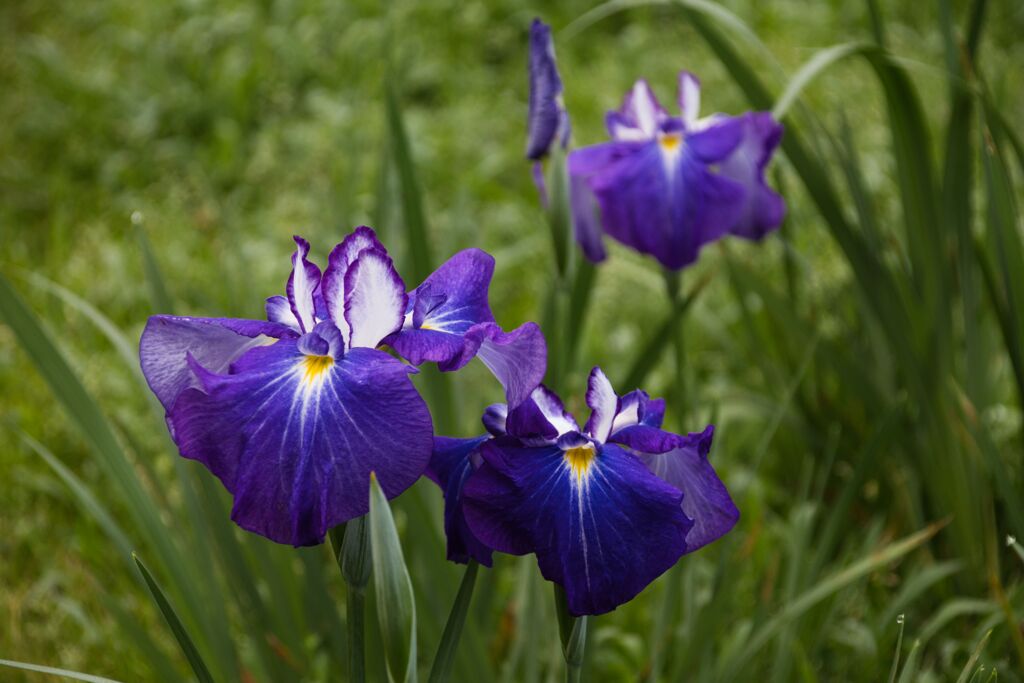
(763, 209)
(302, 286)
(547, 120)
(294, 433)
(689, 98)
(705, 499)
(168, 340)
(375, 299)
(451, 464)
(603, 403)
(280, 311)
(601, 524)
(333, 284)
(540, 419)
(637, 407)
(640, 118)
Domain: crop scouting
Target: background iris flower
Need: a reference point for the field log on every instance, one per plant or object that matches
(667, 185)
(293, 414)
(606, 509)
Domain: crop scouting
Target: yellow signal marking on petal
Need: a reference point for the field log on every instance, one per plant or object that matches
(315, 366)
(426, 326)
(579, 460)
(670, 141)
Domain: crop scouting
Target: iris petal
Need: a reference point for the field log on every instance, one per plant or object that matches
(547, 119)
(341, 257)
(294, 437)
(603, 529)
(214, 342)
(705, 498)
(450, 467)
(302, 284)
(604, 404)
(375, 299)
(763, 209)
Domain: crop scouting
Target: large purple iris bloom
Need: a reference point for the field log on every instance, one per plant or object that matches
(293, 414)
(667, 185)
(606, 509)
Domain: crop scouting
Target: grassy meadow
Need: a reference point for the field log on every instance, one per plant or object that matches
(864, 366)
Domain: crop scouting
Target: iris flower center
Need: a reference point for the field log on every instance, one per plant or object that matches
(670, 141)
(579, 460)
(315, 366)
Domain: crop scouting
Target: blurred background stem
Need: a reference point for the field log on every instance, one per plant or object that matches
(351, 545)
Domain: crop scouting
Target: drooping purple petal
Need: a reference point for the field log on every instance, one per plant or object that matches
(705, 498)
(294, 437)
(375, 299)
(302, 284)
(603, 403)
(763, 209)
(586, 222)
(547, 120)
(214, 342)
(518, 359)
(450, 466)
(601, 525)
(341, 257)
(661, 200)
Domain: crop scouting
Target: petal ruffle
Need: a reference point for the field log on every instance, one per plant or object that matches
(168, 340)
(302, 286)
(603, 534)
(603, 403)
(295, 440)
(705, 498)
(450, 466)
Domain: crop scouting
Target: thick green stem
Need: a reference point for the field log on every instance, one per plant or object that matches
(573, 633)
(673, 283)
(351, 545)
(453, 629)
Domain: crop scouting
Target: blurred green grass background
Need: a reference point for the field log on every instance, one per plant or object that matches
(226, 127)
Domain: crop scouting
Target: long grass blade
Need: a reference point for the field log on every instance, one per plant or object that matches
(75, 675)
(185, 642)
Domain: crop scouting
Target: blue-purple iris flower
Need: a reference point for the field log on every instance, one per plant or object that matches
(667, 185)
(606, 509)
(292, 414)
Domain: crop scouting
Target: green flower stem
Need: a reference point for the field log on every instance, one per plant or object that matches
(674, 286)
(573, 633)
(351, 545)
(453, 628)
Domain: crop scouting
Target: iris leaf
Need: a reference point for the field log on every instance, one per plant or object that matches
(396, 607)
(188, 647)
(78, 676)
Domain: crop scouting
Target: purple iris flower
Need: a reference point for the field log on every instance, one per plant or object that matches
(606, 509)
(293, 414)
(547, 120)
(667, 185)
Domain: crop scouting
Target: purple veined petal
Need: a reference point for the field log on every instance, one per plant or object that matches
(457, 293)
(214, 342)
(705, 498)
(517, 359)
(585, 221)
(717, 139)
(540, 418)
(640, 438)
(494, 419)
(603, 403)
(341, 257)
(763, 209)
(689, 97)
(302, 284)
(294, 437)
(640, 116)
(601, 524)
(662, 200)
(637, 407)
(451, 464)
(280, 311)
(375, 299)
(547, 120)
